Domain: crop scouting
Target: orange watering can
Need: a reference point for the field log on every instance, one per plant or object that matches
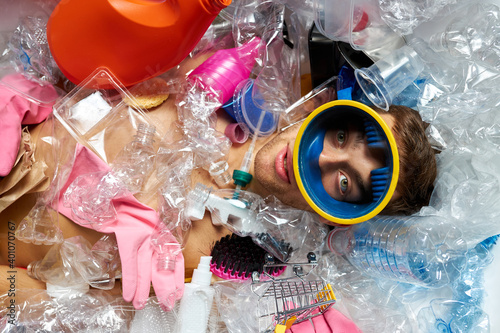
(134, 39)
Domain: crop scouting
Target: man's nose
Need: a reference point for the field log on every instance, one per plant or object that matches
(330, 159)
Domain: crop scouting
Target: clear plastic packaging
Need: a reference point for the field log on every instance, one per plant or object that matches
(93, 116)
(90, 195)
(196, 106)
(358, 22)
(427, 251)
(175, 162)
(40, 225)
(388, 77)
(444, 315)
(74, 265)
(94, 311)
(282, 231)
(404, 16)
(472, 35)
(28, 50)
(96, 115)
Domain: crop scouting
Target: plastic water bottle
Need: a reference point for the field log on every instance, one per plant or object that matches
(473, 35)
(196, 303)
(427, 251)
(74, 265)
(135, 162)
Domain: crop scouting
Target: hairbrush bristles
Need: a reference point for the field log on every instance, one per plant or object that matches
(235, 257)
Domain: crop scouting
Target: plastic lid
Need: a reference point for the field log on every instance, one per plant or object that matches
(248, 113)
(338, 241)
(241, 178)
(202, 275)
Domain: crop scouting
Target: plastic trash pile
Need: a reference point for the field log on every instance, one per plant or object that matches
(422, 273)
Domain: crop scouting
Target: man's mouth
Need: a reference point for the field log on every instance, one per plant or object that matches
(281, 166)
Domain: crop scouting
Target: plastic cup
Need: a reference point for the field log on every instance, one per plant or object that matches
(244, 109)
(388, 77)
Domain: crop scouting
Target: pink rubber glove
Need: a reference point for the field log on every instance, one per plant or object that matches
(332, 321)
(133, 227)
(16, 110)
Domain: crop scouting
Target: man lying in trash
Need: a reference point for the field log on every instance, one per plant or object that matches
(346, 162)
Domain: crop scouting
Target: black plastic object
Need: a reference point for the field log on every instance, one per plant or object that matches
(235, 257)
(327, 57)
(324, 57)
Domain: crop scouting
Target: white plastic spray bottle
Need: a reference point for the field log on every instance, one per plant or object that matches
(196, 302)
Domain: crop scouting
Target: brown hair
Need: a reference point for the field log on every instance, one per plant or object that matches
(417, 162)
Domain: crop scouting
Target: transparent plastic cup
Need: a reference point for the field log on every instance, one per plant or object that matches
(388, 77)
(359, 23)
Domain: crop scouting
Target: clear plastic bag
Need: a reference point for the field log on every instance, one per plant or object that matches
(404, 16)
(94, 311)
(28, 50)
(358, 22)
(75, 265)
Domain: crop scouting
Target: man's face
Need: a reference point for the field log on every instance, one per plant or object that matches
(345, 163)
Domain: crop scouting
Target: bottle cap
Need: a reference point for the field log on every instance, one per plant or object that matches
(195, 204)
(241, 178)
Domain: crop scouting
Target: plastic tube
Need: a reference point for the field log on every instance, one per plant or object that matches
(241, 176)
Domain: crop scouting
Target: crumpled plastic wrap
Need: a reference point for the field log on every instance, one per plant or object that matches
(405, 15)
(300, 230)
(95, 311)
(381, 305)
(28, 50)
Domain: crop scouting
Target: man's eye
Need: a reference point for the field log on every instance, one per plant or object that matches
(343, 183)
(341, 136)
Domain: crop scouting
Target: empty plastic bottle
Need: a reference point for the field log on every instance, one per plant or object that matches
(426, 251)
(73, 265)
(472, 35)
(90, 195)
(135, 162)
(197, 300)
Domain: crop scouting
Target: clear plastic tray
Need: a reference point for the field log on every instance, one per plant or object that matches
(101, 114)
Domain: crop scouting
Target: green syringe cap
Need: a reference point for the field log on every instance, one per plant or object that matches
(241, 178)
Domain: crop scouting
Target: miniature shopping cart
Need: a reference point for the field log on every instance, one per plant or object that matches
(285, 301)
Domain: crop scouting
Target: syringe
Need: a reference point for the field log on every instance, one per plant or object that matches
(241, 176)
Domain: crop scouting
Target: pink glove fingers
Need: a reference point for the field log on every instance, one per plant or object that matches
(340, 323)
(133, 228)
(145, 257)
(168, 287)
(320, 324)
(302, 327)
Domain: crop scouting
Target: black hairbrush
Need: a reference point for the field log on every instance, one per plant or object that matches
(235, 257)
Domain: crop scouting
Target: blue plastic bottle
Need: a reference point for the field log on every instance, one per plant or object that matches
(427, 251)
